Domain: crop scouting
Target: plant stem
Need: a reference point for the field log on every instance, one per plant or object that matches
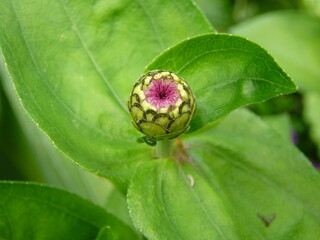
(164, 148)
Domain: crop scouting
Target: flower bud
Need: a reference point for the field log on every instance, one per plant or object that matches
(161, 105)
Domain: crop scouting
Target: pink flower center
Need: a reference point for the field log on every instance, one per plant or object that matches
(162, 93)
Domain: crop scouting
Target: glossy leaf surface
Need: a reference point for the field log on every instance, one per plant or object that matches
(252, 190)
(34, 152)
(73, 64)
(224, 73)
(168, 201)
(242, 156)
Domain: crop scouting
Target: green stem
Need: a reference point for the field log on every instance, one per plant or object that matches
(164, 148)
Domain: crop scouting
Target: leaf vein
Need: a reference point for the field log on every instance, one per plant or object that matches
(201, 205)
(245, 168)
(48, 86)
(92, 59)
(155, 29)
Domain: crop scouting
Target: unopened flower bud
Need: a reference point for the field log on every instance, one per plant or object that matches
(161, 105)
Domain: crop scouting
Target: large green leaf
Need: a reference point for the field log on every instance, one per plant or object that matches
(312, 115)
(30, 151)
(30, 211)
(242, 171)
(224, 72)
(292, 37)
(260, 174)
(73, 64)
(169, 201)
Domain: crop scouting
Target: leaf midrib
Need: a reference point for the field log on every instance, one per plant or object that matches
(92, 59)
(161, 198)
(222, 85)
(154, 27)
(201, 205)
(49, 88)
(228, 49)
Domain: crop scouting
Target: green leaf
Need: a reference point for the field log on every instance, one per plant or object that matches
(35, 155)
(30, 211)
(244, 182)
(32, 151)
(224, 72)
(259, 174)
(170, 201)
(73, 64)
(312, 115)
(292, 37)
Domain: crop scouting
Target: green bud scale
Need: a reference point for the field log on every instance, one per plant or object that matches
(161, 105)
